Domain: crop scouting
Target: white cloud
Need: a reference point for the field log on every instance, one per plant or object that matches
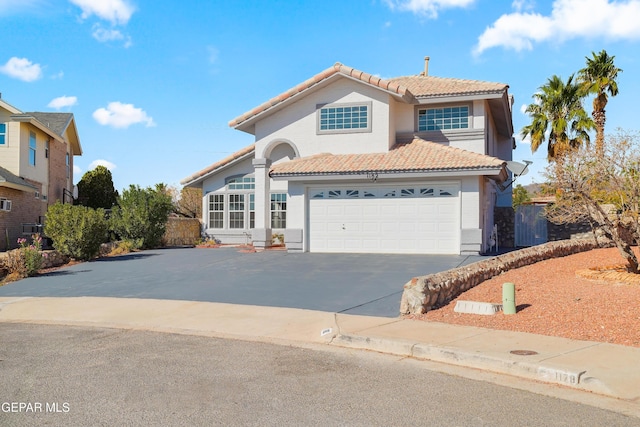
(568, 19)
(104, 35)
(63, 101)
(523, 108)
(77, 170)
(525, 141)
(119, 115)
(100, 162)
(22, 69)
(429, 8)
(118, 12)
(520, 5)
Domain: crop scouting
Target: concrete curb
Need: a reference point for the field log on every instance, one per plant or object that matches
(605, 369)
(550, 374)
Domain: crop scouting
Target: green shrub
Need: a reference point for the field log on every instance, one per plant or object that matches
(141, 216)
(77, 231)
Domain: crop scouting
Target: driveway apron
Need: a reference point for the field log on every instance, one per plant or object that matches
(363, 284)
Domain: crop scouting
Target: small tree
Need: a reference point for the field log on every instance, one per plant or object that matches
(604, 191)
(77, 231)
(190, 202)
(141, 215)
(96, 190)
(520, 195)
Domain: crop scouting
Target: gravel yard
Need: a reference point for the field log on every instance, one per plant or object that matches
(552, 300)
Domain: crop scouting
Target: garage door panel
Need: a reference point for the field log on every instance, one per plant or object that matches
(353, 210)
(392, 224)
(370, 227)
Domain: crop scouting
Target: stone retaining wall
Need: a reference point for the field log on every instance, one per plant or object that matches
(423, 293)
(49, 259)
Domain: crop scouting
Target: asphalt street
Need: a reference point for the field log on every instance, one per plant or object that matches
(363, 284)
(81, 376)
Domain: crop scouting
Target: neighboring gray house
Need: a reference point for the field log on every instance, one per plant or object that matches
(350, 162)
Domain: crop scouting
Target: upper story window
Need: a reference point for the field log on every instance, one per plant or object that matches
(32, 148)
(443, 118)
(344, 118)
(241, 183)
(3, 133)
(46, 149)
(68, 164)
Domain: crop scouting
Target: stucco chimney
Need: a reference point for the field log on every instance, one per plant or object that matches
(426, 66)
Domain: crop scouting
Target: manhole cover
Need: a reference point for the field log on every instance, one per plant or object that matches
(523, 352)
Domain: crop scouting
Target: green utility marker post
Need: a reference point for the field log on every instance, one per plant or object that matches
(509, 298)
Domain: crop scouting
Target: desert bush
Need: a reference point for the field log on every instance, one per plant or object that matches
(123, 247)
(77, 231)
(26, 260)
(141, 216)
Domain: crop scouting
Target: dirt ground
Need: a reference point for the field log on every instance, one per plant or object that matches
(552, 300)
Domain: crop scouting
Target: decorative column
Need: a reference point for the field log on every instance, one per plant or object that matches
(262, 232)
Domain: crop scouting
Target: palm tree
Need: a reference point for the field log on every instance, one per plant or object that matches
(599, 78)
(557, 117)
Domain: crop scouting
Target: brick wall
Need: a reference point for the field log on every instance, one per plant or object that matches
(57, 171)
(25, 208)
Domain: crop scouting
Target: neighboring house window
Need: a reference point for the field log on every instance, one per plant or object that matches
(216, 211)
(236, 210)
(46, 149)
(67, 160)
(279, 210)
(32, 148)
(3, 133)
(443, 118)
(343, 118)
(5, 204)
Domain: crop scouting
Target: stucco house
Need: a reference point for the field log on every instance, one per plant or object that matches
(36, 168)
(349, 162)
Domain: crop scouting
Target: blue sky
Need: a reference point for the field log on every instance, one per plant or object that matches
(153, 84)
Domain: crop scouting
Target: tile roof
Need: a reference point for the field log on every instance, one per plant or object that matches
(417, 156)
(337, 68)
(219, 164)
(408, 87)
(430, 86)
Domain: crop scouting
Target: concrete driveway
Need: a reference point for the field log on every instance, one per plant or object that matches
(364, 284)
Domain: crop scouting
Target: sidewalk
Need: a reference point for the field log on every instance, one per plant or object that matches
(605, 369)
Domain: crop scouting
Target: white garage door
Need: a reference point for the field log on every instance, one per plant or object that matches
(422, 219)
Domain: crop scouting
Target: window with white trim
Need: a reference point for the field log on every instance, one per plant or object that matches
(252, 210)
(344, 118)
(236, 210)
(241, 183)
(216, 211)
(46, 149)
(3, 133)
(443, 118)
(5, 204)
(68, 163)
(278, 210)
(32, 148)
